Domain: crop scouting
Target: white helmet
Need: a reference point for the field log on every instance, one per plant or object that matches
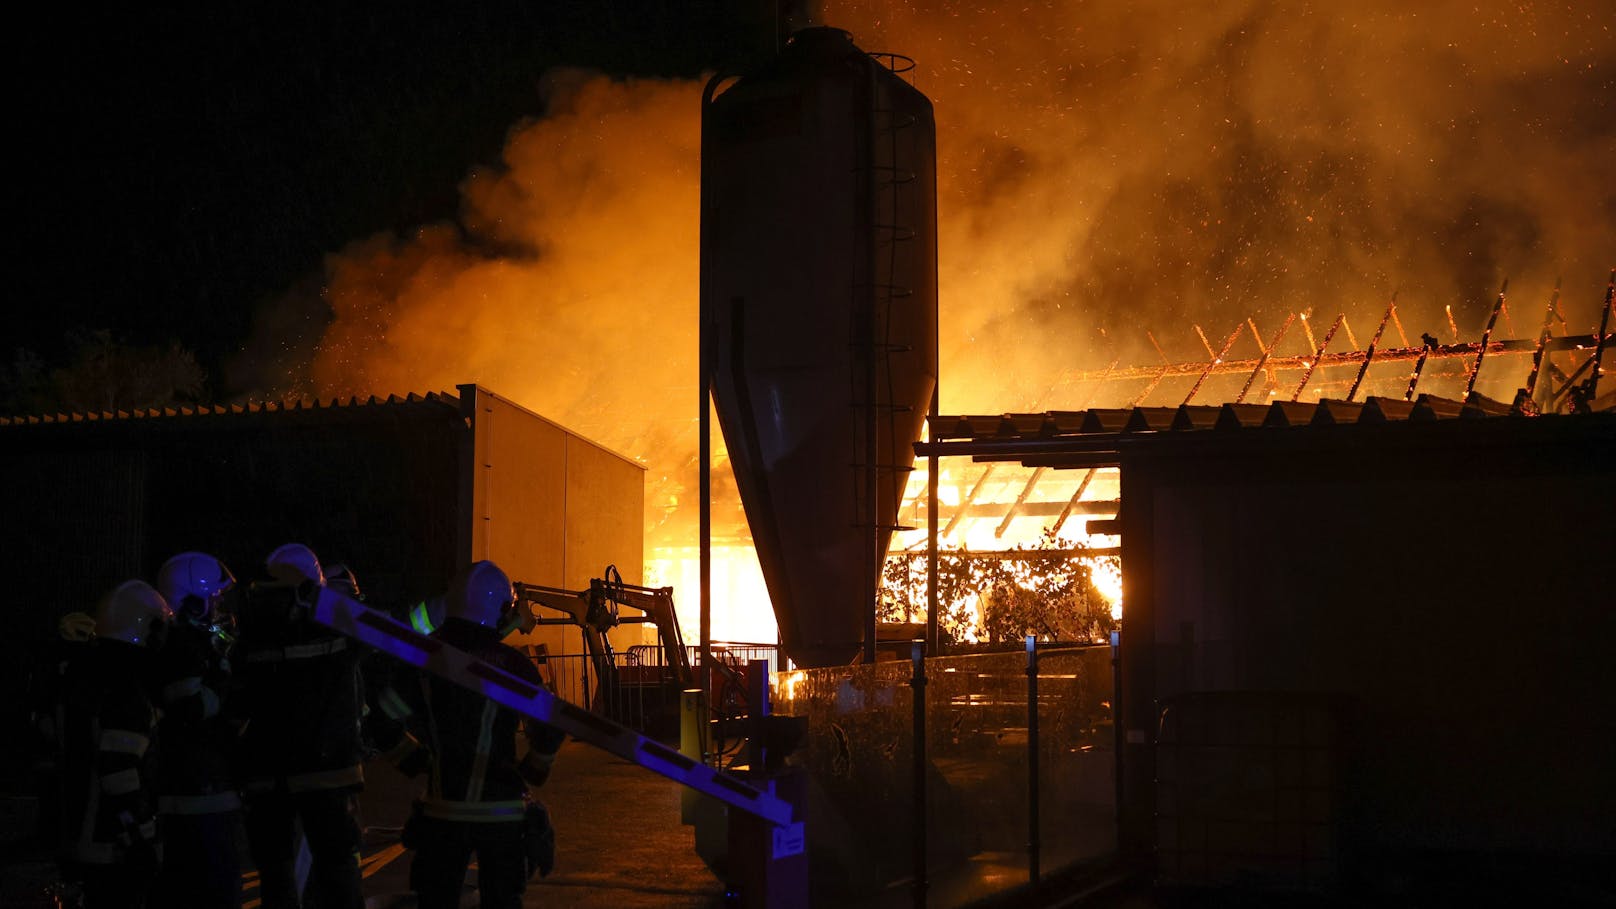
(294, 563)
(192, 583)
(480, 594)
(341, 579)
(131, 613)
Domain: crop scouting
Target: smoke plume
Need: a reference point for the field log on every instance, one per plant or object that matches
(1105, 168)
(1108, 168)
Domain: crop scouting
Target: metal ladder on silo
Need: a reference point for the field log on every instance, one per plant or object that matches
(871, 398)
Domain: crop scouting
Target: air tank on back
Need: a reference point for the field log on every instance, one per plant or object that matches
(819, 318)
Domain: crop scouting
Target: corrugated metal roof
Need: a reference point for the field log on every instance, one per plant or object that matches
(392, 404)
(1093, 437)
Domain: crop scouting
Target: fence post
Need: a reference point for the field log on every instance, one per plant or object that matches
(691, 746)
(757, 696)
(1116, 726)
(1032, 758)
(917, 682)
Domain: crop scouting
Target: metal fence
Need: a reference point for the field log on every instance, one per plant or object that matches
(646, 694)
(995, 796)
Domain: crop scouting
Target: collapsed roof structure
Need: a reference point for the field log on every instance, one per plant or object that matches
(1557, 372)
(1346, 652)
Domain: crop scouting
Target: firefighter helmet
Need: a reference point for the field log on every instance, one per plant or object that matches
(480, 594)
(340, 577)
(192, 583)
(132, 613)
(294, 564)
(76, 627)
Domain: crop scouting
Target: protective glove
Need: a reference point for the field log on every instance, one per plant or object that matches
(538, 840)
(142, 849)
(417, 762)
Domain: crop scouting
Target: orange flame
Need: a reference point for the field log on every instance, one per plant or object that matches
(1103, 166)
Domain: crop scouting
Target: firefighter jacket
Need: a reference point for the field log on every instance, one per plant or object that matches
(476, 774)
(299, 695)
(194, 776)
(107, 727)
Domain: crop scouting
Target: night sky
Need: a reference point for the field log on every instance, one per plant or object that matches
(179, 174)
(174, 169)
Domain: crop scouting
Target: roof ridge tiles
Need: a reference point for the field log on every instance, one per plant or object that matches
(1192, 417)
(1431, 407)
(1333, 411)
(1290, 413)
(1106, 419)
(1477, 404)
(1241, 416)
(1022, 424)
(1151, 419)
(1378, 409)
(1068, 421)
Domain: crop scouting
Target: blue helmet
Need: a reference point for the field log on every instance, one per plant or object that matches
(481, 594)
(294, 563)
(193, 582)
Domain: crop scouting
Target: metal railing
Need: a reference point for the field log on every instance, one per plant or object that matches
(645, 695)
(1023, 744)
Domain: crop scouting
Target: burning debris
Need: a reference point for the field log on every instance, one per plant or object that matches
(1569, 361)
(1051, 590)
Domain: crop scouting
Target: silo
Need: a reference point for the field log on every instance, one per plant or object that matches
(819, 315)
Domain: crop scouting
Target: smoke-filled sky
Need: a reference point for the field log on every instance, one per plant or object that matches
(1120, 166)
(1105, 168)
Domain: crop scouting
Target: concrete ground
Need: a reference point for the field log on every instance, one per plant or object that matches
(619, 843)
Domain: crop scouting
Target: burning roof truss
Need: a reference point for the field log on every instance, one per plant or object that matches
(1556, 372)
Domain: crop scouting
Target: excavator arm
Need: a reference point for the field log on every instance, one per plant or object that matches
(598, 610)
(607, 603)
(610, 602)
(581, 610)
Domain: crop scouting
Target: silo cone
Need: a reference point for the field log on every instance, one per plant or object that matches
(819, 312)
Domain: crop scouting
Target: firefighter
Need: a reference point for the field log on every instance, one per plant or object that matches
(477, 799)
(110, 844)
(300, 751)
(197, 799)
(57, 685)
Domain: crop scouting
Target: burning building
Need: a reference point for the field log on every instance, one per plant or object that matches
(1342, 664)
(1236, 662)
(1111, 169)
(1114, 167)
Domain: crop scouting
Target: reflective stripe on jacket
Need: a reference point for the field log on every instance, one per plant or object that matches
(474, 812)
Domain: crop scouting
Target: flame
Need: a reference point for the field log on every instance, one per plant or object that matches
(1103, 167)
(1107, 578)
(786, 683)
(740, 601)
(972, 607)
